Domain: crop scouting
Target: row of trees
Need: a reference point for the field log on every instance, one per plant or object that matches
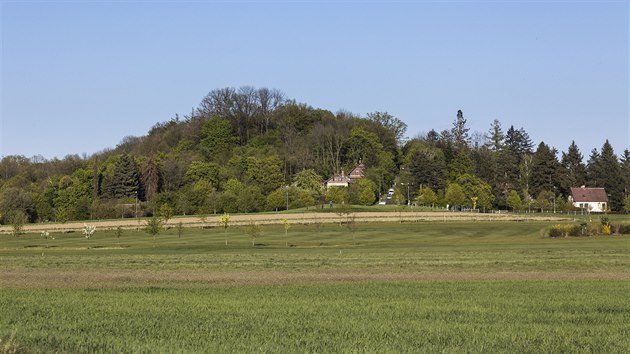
(246, 150)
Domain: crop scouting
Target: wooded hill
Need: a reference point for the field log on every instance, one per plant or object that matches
(248, 150)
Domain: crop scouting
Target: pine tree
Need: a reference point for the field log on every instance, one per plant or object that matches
(625, 171)
(545, 173)
(124, 181)
(496, 138)
(573, 169)
(428, 169)
(460, 131)
(593, 169)
(518, 142)
(609, 173)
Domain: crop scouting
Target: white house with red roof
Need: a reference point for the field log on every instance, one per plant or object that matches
(590, 199)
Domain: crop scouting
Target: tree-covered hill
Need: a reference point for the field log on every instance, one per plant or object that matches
(247, 150)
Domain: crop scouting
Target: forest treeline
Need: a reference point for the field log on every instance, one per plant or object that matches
(248, 150)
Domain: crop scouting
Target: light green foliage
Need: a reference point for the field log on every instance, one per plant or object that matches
(232, 185)
(300, 198)
(426, 197)
(310, 181)
(627, 204)
(514, 201)
(254, 230)
(154, 226)
(266, 173)
(286, 226)
(224, 222)
(455, 195)
(17, 219)
(474, 187)
(277, 200)
(544, 201)
(400, 194)
(365, 191)
(337, 195)
(363, 145)
(203, 171)
(165, 212)
(217, 138)
(250, 199)
(229, 202)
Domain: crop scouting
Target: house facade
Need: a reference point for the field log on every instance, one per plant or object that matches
(589, 199)
(341, 180)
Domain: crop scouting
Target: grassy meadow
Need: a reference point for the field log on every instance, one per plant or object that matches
(375, 287)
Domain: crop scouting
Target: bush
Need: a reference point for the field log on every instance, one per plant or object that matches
(622, 229)
(558, 230)
(584, 229)
(575, 230)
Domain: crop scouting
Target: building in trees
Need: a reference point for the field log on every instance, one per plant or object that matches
(589, 199)
(341, 180)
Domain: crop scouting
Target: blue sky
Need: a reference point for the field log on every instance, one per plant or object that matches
(79, 76)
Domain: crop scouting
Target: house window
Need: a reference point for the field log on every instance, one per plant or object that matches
(604, 206)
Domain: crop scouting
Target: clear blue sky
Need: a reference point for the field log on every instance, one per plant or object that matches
(79, 76)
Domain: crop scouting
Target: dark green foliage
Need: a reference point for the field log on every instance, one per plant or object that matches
(574, 170)
(496, 137)
(427, 168)
(123, 181)
(546, 172)
(604, 171)
(460, 131)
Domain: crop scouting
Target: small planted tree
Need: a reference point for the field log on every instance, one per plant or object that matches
(119, 232)
(17, 220)
(224, 221)
(254, 230)
(180, 229)
(514, 201)
(286, 226)
(88, 230)
(165, 212)
(154, 226)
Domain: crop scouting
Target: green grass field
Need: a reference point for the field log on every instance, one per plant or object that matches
(377, 287)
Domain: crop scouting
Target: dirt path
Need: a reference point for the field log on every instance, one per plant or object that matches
(301, 218)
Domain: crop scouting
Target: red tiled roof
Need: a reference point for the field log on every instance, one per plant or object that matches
(338, 178)
(587, 195)
(357, 172)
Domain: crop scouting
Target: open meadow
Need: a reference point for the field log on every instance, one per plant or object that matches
(426, 286)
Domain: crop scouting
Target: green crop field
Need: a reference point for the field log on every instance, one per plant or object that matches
(375, 287)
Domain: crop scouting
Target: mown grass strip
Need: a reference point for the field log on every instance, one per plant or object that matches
(502, 316)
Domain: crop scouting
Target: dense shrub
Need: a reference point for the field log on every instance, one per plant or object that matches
(586, 229)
